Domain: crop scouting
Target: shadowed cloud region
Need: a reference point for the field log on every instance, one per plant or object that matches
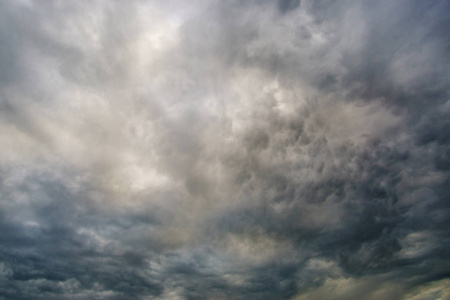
(224, 150)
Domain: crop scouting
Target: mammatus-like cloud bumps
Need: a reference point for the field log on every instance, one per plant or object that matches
(224, 149)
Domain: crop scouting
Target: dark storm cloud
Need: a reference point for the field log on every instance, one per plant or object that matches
(224, 150)
(286, 5)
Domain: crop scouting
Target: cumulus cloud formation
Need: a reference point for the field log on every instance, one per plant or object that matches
(224, 149)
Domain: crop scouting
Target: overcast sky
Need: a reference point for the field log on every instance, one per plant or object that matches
(211, 149)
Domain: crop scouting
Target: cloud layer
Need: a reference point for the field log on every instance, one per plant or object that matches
(224, 149)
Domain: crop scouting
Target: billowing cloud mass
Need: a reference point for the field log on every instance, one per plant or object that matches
(214, 149)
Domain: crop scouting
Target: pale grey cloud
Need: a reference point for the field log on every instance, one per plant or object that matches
(224, 150)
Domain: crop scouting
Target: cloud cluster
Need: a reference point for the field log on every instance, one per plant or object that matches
(224, 149)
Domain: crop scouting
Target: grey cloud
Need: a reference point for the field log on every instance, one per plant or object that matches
(286, 5)
(224, 150)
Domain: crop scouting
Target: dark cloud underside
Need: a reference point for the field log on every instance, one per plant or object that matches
(224, 150)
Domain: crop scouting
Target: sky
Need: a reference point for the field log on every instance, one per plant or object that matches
(208, 149)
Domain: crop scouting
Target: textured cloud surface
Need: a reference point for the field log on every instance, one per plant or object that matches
(234, 149)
